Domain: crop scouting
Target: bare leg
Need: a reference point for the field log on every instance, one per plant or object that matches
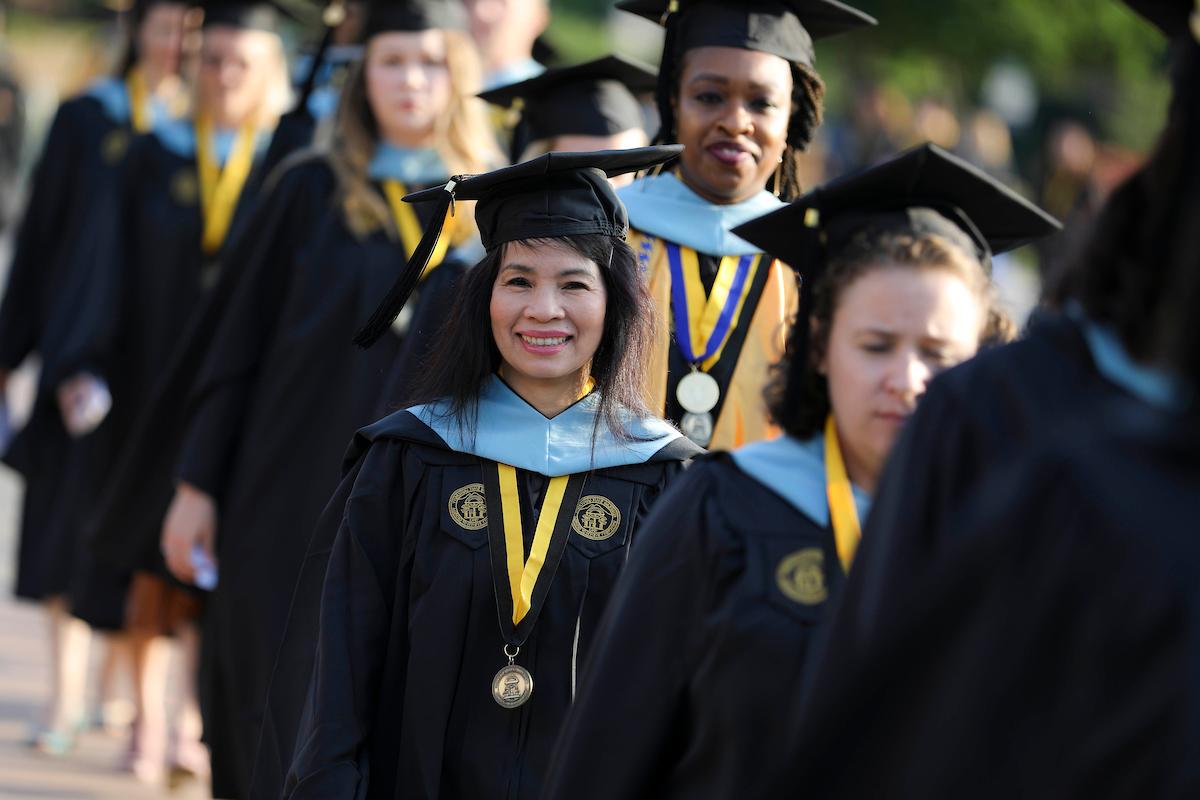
(115, 712)
(147, 746)
(190, 755)
(69, 642)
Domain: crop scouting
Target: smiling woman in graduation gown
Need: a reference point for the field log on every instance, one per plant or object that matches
(156, 241)
(738, 89)
(711, 627)
(475, 540)
(283, 388)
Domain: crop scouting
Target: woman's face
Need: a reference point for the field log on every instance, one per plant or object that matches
(731, 116)
(892, 330)
(408, 85)
(160, 38)
(237, 66)
(547, 311)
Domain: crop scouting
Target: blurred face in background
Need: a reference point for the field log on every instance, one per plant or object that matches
(580, 143)
(238, 69)
(504, 30)
(160, 38)
(408, 85)
(731, 115)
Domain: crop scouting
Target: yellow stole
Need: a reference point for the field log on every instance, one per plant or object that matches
(408, 227)
(220, 188)
(743, 416)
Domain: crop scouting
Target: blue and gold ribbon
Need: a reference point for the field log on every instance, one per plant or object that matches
(704, 323)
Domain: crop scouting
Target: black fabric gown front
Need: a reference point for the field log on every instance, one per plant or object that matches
(144, 274)
(682, 696)
(1051, 653)
(78, 163)
(282, 391)
(974, 419)
(398, 689)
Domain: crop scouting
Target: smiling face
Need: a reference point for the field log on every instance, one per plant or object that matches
(547, 311)
(408, 85)
(732, 115)
(893, 329)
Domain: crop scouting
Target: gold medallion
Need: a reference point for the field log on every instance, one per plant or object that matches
(468, 508)
(114, 145)
(697, 427)
(596, 518)
(513, 686)
(801, 576)
(185, 188)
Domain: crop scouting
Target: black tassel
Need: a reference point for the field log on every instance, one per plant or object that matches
(334, 16)
(667, 78)
(409, 277)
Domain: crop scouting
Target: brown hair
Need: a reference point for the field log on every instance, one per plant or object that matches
(464, 138)
(797, 395)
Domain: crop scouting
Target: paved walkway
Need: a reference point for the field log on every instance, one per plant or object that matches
(90, 772)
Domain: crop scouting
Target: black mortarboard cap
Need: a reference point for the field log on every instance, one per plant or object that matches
(591, 99)
(785, 28)
(1173, 17)
(385, 16)
(925, 190)
(251, 14)
(553, 195)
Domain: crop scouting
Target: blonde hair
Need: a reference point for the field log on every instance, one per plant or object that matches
(464, 138)
(277, 97)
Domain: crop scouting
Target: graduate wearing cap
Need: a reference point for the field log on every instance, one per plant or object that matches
(87, 140)
(281, 388)
(738, 88)
(471, 548)
(589, 106)
(1092, 339)
(710, 629)
(1050, 648)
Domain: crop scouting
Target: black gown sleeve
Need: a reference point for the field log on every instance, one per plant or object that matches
(262, 266)
(56, 174)
(630, 718)
(364, 589)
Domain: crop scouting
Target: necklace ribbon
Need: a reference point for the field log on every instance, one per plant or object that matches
(521, 582)
(408, 227)
(221, 188)
(139, 101)
(710, 319)
(842, 512)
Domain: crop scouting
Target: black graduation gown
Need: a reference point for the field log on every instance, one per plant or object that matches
(399, 701)
(78, 163)
(282, 391)
(145, 275)
(974, 419)
(1053, 650)
(681, 698)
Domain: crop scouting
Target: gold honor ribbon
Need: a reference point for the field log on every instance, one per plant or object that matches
(139, 101)
(409, 227)
(221, 188)
(705, 312)
(842, 512)
(523, 573)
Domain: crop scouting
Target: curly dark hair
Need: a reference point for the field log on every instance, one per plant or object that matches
(464, 353)
(808, 111)
(797, 394)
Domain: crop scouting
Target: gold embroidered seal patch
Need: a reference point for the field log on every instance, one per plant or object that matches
(185, 188)
(801, 576)
(114, 145)
(596, 518)
(468, 508)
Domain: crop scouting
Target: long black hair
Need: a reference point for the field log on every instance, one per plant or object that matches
(464, 353)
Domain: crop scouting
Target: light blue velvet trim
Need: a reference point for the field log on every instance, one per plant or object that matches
(663, 206)
(414, 166)
(511, 431)
(795, 470)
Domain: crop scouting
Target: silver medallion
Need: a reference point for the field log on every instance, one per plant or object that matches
(513, 686)
(697, 427)
(698, 392)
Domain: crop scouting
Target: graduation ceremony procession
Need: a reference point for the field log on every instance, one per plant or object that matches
(599, 399)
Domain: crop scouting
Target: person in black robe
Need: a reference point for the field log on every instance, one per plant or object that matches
(743, 557)
(1052, 648)
(150, 253)
(1091, 341)
(88, 138)
(283, 388)
(457, 578)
